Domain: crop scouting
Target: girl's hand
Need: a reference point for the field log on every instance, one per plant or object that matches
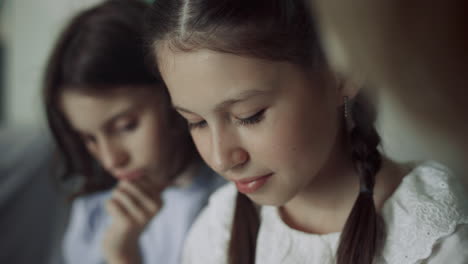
(131, 207)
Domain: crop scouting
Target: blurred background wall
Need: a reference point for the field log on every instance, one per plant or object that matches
(33, 209)
(405, 140)
(404, 136)
(28, 30)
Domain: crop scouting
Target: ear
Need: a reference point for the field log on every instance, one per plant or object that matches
(346, 87)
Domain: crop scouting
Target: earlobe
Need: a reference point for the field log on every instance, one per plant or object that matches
(351, 88)
(346, 87)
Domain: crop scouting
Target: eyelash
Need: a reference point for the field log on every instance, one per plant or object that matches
(251, 120)
(130, 126)
(197, 125)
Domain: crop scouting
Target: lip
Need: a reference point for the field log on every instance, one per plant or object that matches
(131, 175)
(252, 184)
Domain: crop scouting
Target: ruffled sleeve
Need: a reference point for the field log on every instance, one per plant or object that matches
(452, 249)
(208, 239)
(427, 218)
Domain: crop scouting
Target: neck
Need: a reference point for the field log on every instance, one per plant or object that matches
(324, 205)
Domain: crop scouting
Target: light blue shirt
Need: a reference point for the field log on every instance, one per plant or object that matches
(163, 239)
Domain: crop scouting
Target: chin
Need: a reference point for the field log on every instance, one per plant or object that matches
(269, 198)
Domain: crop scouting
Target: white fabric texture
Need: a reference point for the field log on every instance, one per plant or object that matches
(426, 220)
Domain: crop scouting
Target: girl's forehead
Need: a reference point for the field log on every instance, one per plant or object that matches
(202, 68)
(203, 82)
(211, 63)
(108, 94)
(92, 106)
(211, 77)
(72, 98)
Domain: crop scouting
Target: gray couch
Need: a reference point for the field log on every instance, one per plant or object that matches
(33, 210)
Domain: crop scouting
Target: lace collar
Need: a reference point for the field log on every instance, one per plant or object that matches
(427, 206)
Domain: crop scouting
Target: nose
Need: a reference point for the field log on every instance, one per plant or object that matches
(226, 151)
(112, 155)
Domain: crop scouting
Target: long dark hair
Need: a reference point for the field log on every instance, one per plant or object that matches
(279, 30)
(100, 50)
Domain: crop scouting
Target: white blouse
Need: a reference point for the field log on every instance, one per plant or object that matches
(426, 222)
(162, 240)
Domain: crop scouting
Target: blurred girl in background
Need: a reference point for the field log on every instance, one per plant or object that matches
(143, 182)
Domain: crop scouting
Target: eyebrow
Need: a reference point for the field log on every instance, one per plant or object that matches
(243, 96)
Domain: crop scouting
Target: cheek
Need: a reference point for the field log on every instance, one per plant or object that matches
(302, 140)
(147, 142)
(203, 145)
(283, 148)
(92, 149)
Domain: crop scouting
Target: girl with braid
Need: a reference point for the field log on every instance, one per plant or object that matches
(298, 144)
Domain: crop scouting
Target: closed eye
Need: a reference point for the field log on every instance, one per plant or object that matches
(253, 119)
(197, 125)
(129, 126)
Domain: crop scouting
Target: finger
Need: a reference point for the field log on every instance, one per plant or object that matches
(131, 205)
(118, 212)
(151, 203)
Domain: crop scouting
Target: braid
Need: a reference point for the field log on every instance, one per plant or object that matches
(244, 232)
(361, 234)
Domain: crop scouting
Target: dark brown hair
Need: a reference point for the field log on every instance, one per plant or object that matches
(278, 30)
(101, 50)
